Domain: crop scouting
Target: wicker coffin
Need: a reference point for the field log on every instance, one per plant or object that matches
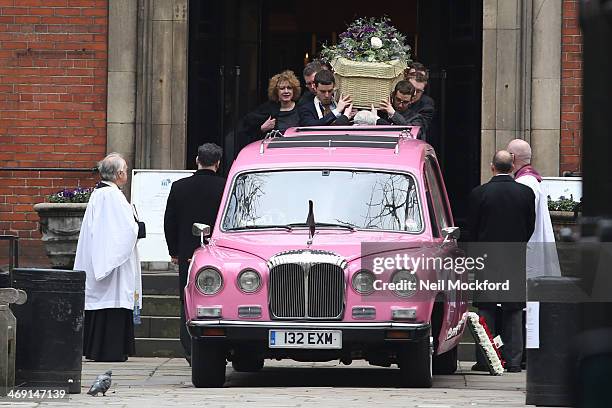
(367, 82)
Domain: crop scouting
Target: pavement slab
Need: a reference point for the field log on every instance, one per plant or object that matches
(166, 382)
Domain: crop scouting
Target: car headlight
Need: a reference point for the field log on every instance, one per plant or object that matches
(405, 283)
(209, 281)
(363, 282)
(249, 281)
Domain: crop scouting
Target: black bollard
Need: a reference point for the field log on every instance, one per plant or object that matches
(548, 367)
(49, 328)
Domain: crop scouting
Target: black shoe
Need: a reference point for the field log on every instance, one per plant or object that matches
(188, 358)
(513, 369)
(478, 367)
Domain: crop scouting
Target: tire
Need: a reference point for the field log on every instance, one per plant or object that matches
(445, 363)
(415, 364)
(248, 365)
(207, 364)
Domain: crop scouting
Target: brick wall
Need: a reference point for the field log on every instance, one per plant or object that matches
(53, 60)
(571, 88)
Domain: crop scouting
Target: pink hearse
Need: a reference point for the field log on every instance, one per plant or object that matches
(301, 263)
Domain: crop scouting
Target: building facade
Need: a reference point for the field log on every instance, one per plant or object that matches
(80, 78)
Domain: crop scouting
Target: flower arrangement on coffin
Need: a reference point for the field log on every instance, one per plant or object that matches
(76, 195)
(369, 60)
(486, 344)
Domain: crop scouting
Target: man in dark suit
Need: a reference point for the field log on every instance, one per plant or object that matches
(192, 199)
(503, 211)
(324, 111)
(396, 110)
(422, 105)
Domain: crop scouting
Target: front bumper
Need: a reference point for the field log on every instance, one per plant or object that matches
(372, 333)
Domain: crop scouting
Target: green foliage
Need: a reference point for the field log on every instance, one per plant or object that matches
(371, 40)
(562, 204)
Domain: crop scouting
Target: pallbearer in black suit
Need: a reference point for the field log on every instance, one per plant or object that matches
(503, 211)
(192, 199)
(324, 111)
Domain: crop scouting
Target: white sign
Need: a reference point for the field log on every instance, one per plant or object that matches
(533, 325)
(150, 190)
(556, 187)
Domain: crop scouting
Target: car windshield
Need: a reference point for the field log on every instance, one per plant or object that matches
(358, 199)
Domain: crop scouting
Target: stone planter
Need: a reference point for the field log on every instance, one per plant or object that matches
(569, 252)
(60, 225)
(563, 219)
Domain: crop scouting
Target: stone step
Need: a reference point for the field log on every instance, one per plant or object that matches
(160, 283)
(158, 347)
(157, 326)
(161, 305)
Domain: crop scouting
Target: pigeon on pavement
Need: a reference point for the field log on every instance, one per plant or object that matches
(101, 384)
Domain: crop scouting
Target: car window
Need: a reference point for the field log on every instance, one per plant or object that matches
(359, 199)
(438, 200)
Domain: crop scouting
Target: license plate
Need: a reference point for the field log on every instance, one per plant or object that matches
(307, 339)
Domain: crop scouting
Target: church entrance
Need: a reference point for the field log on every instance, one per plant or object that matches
(235, 46)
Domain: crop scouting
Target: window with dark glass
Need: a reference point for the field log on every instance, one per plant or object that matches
(357, 199)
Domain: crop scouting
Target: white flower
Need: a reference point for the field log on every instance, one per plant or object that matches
(376, 43)
(395, 40)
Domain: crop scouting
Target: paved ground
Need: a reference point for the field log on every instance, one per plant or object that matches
(159, 382)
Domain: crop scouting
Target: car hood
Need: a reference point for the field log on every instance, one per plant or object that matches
(344, 243)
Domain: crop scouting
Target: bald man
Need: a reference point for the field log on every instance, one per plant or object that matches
(542, 258)
(502, 211)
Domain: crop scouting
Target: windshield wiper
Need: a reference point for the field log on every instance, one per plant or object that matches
(252, 227)
(323, 224)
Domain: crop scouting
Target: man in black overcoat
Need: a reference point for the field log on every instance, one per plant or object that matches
(192, 199)
(502, 212)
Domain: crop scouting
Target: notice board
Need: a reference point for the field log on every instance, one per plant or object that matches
(150, 190)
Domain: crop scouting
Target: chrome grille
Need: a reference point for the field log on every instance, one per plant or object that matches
(325, 291)
(287, 291)
(323, 282)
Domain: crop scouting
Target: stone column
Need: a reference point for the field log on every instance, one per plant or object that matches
(546, 85)
(520, 79)
(161, 117)
(121, 101)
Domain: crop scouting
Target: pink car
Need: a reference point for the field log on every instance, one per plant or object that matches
(321, 252)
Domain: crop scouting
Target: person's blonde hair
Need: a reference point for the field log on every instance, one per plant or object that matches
(287, 76)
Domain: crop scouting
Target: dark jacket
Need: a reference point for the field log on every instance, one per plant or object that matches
(425, 110)
(191, 199)
(309, 117)
(405, 118)
(307, 97)
(501, 210)
(501, 220)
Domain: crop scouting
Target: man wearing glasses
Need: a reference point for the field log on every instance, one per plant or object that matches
(397, 110)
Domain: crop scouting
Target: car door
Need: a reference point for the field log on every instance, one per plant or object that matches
(441, 217)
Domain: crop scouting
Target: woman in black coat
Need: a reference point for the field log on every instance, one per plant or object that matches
(279, 112)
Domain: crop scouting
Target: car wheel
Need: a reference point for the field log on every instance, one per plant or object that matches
(247, 365)
(415, 364)
(207, 364)
(445, 363)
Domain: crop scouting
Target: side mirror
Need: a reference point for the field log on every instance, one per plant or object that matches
(201, 230)
(451, 233)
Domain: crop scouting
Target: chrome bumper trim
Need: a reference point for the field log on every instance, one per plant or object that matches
(313, 325)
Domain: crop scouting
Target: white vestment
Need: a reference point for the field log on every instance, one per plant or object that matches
(542, 258)
(107, 251)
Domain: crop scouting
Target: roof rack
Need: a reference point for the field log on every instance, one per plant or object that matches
(335, 129)
(335, 140)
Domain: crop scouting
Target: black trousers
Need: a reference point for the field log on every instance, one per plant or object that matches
(511, 333)
(184, 334)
